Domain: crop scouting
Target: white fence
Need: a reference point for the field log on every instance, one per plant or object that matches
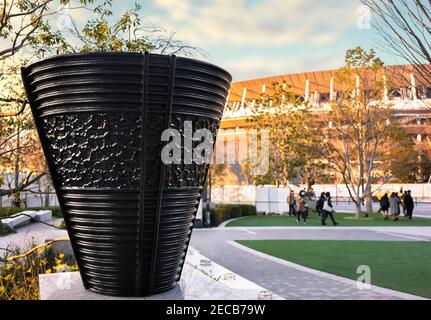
(273, 199)
(266, 198)
(32, 200)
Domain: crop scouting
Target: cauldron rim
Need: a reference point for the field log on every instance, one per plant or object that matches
(124, 53)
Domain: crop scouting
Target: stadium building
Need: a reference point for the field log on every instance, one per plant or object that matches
(409, 95)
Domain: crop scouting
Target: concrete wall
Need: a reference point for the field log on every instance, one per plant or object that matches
(33, 200)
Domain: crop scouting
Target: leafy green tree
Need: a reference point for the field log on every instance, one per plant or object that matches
(295, 154)
(25, 23)
(361, 129)
(128, 33)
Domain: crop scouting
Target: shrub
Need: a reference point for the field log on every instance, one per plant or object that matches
(8, 211)
(19, 276)
(63, 225)
(4, 230)
(225, 212)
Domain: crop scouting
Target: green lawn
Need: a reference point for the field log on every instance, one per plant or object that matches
(401, 266)
(344, 219)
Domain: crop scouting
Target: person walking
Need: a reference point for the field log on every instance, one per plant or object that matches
(301, 207)
(403, 203)
(327, 209)
(291, 202)
(384, 206)
(409, 204)
(319, 204)
(394, 206)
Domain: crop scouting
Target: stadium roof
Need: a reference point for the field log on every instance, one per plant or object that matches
(319, 81)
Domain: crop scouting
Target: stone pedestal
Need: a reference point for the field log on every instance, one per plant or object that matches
(194, 285)
(201, 279)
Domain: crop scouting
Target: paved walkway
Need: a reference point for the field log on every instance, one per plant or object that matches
(286, 279)
(292, 281)
(32, 233)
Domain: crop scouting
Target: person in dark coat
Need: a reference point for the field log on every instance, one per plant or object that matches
(409, 204)
(319, 204)
(327, 209)
(384, 206)
(402, 202)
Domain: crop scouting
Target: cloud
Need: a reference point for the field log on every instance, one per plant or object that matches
(275, 22)
(178, 10)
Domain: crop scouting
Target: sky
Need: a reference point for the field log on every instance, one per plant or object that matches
(257, 38)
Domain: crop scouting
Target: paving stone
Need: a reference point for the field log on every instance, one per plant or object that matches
(286, 281)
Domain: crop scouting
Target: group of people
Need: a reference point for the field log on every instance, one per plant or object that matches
(392, 205)
(299, 206)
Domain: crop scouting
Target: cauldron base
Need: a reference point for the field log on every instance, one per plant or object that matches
(68, 286)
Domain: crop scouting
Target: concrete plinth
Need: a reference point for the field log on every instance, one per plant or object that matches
(199, 281)
(194, 285)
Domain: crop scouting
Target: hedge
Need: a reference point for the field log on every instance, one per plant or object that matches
(224, 212)
(4, 230)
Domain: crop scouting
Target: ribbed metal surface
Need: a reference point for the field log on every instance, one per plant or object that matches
(100, 117)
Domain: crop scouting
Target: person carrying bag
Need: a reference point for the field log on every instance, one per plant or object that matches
(328, 210)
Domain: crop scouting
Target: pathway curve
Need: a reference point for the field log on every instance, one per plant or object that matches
(286, 279)
(32, 233)
(292, 281)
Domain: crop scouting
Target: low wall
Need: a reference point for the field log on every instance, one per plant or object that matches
(33, 200)
(273, 199)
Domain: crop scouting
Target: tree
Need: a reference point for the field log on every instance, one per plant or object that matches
(128, 33)
(405, 27)
(411, 166)
(20, 151)
(23, 21)
(27, 31)
(295, 155)
(361, 129)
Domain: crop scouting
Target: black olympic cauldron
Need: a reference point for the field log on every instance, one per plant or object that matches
(100, 117)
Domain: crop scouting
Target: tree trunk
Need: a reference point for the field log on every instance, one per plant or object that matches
(47, 196)
(358, 208)
(17, 195)
(368, 200)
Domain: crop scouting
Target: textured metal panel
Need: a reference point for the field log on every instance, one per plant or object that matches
(100, 117)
